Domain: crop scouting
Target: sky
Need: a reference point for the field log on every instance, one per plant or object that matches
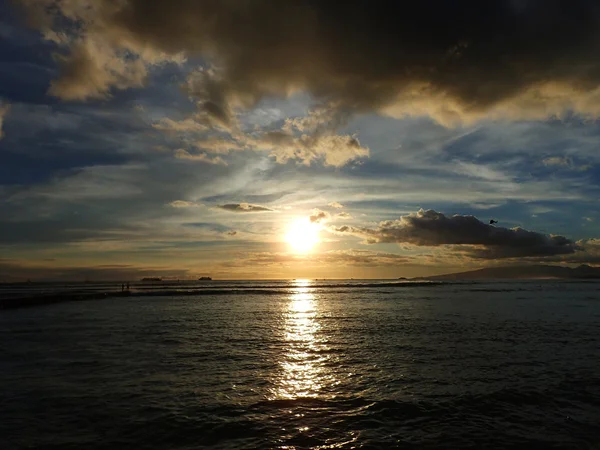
(261, 139)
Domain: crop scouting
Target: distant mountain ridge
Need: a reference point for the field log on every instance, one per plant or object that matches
(523, 273)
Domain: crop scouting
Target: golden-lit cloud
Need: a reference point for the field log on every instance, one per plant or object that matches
(306, 140)
(92, 69)
(333, 149)
(184, 204)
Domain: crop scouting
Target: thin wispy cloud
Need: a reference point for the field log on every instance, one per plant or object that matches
(200, 157)
(244, 208)
(564, 162)
(349, 257)
(185, 204)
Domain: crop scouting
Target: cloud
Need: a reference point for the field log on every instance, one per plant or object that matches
(557, 161)
(333, 149)
(313, 137)
(589, 254)
(210, 93)
(456, 61)
(343, 215)
(466, 233)
(4, 109)
(244, 208)
(188, 125)
(565, 162)
(92, 69)
(319, 216)
(218, 145)
(364, 258)
(184, 204)
(350, 257)
(336, 205)
(305, 140)
(202, 157)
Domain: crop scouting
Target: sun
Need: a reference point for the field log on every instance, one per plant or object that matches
(302, 235)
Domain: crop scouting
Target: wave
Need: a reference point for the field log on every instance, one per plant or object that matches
(498, 419)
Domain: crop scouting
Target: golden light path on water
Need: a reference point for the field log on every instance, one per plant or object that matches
(306, 364)
(304, 372)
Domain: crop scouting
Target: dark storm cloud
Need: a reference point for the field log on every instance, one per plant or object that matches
(430, 228)
(451, 59)
(244, 208)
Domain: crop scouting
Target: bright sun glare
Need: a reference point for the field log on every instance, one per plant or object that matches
(302, 235)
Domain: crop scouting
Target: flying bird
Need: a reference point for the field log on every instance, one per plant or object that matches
(492, 221)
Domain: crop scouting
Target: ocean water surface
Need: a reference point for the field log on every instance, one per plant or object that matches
(307, 364)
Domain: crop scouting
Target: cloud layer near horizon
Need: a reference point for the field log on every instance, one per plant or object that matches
(433, 229)
(455, 60)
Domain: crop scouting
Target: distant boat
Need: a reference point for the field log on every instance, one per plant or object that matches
(152, 279)
(204, 279)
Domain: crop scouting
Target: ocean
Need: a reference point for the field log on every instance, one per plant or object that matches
(305, 364)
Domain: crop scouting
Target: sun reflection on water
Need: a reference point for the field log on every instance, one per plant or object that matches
(303, 371)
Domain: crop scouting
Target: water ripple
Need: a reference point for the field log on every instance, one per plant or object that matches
(458, 366)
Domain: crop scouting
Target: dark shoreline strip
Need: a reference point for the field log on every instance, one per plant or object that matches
(41, 300)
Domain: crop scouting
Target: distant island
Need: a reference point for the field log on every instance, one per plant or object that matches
(204, 279)
(152, 279)
(524, 273)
